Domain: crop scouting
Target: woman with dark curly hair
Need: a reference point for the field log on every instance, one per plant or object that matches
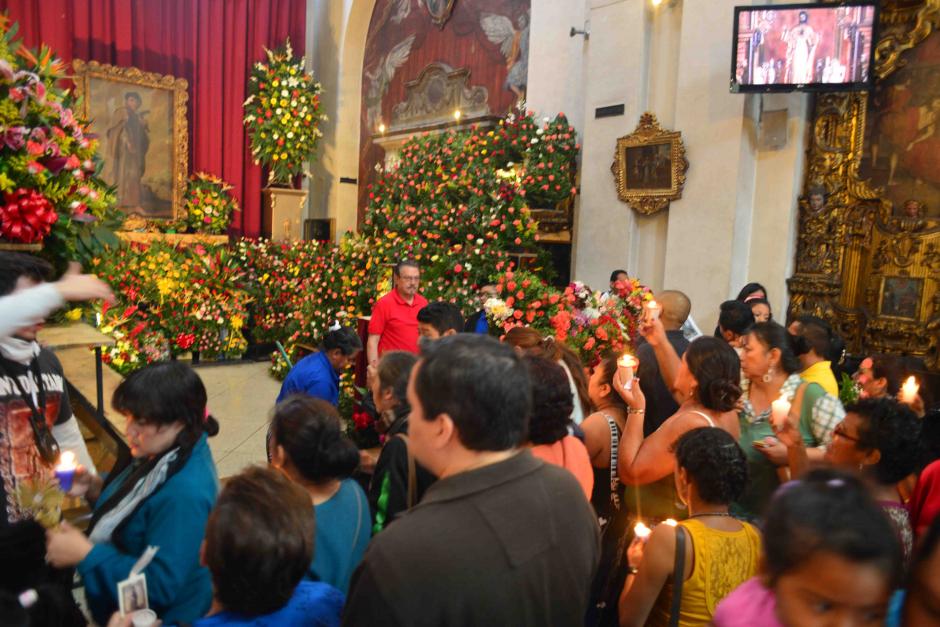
(704, 381)
(549, 421)
(719, 552)
(879, 438)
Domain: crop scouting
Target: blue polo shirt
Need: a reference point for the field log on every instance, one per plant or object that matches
(313, 375)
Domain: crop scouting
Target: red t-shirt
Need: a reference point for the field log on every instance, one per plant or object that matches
(396, 322)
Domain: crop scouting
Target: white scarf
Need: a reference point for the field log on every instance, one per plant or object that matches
(146, 486)
(19, 350)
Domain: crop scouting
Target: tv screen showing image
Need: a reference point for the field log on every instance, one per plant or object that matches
(808, 47)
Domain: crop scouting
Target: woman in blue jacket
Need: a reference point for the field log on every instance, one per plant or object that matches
(162, 498)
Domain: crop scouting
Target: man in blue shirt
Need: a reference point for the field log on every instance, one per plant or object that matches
(317, 374)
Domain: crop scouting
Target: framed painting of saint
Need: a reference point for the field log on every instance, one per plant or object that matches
(140, 120)
(900, 297)
(649, 166)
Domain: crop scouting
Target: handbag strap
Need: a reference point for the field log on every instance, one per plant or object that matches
(678, 577)
(412, 473)
(614, 446)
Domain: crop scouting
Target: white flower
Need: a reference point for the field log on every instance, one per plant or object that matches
(535, 140)
(546, 120)
(479, 241)
(591, 313)
(539, 132)
(290, 134)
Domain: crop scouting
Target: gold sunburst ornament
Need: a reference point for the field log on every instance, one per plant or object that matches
(41, 500)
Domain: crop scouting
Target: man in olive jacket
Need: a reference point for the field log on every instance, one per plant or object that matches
(501, 538)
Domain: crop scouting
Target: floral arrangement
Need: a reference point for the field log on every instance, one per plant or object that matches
(590, 322)
(48, 170)
(208, 204)
(282, 114)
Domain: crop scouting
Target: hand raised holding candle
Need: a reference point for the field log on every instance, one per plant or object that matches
(653, 331)
(85, 484)
(631, 394)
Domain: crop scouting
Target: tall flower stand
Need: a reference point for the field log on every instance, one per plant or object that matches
(283, 213)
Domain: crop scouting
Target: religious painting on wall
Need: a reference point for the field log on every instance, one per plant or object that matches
(900, 297)
(649, 166)
(902, 134)
(140, 119)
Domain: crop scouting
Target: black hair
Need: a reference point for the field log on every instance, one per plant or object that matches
(134, 95)
(441, 315)
(717, 370)
(165, 393)
(735, 316)
(608, 365)
(828, 510)
(259, 541)
(311, 433)
(16, 265)
(761, 301)
(891, 369)
(411, 263)
(772, 335)
(749, 289)
(344, 339)
(894, 430)
(394, 370)
(616, 273)
(552, 401)
(482, 385)
(815, 335)
(715, 463)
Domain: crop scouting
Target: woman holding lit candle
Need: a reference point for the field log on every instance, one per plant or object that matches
(720, 552)
(705, 381)
(771, 373)
(161, 498)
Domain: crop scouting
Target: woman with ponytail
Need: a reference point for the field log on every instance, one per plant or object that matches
(161, 497)
(308, 445)
(706, 386)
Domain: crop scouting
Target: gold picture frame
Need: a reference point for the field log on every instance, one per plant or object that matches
(144, 146)
(649, 166)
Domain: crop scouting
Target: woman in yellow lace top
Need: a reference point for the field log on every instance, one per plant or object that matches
(720, 552)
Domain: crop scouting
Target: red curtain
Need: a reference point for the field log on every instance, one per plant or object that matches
(210, 43)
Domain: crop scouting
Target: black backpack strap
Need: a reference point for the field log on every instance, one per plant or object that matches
(678, 577)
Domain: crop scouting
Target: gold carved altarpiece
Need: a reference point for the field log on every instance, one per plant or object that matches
(869, 266)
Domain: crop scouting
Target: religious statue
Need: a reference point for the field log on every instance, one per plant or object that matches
(513, 44)
(801, 51)
(128, 142)
(819, 226)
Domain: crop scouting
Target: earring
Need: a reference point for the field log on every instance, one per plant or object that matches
(768, 376)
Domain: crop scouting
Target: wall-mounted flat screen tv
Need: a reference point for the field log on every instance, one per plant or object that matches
(803, 47)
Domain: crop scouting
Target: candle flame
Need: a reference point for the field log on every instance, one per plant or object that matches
(66, 461)
(627, 361)
(672, 522)
(641, 531)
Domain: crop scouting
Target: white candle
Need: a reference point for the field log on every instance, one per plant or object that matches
(627, 365)
(909, 390)
(779, 410)
(652, 309)
(641, 531)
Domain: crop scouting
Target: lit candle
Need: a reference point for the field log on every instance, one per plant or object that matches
(65, 470)
(672, 522)
(627, 365)
(652, 309)
(457, 114)
(779, 410)
(909, 390)
(641, 531)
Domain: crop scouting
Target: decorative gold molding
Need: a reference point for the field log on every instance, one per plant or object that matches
(84, 71)
(646, 199)
(873, 274)
(435, 94)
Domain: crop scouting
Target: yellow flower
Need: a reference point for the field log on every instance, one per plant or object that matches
(73, 314)
(237, 323)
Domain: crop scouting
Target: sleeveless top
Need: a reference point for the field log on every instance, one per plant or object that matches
(721, 561)
(606, 495)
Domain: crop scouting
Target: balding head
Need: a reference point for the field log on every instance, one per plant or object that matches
(676, 308)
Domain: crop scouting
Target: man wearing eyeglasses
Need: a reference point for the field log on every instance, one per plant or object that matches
(394, 322)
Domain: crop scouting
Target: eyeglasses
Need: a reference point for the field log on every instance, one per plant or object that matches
(840, 432)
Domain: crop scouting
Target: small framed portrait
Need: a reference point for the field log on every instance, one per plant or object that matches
(901, 297)
(140, 120)
(649, 166)
(132, 594)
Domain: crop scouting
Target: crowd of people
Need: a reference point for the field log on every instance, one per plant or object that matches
(515, 485)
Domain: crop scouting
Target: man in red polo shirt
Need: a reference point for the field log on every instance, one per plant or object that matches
(394, 323)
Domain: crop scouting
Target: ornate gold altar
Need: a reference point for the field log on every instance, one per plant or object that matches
(868, 253)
